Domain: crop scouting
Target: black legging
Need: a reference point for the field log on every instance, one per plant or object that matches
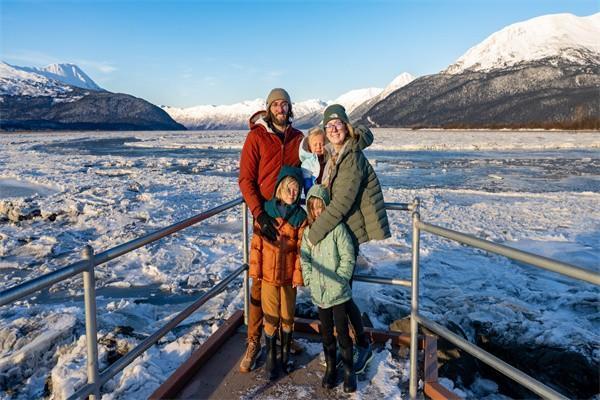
(335, 315)
(356, 321)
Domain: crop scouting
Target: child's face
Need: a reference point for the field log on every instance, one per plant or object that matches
(316, 144)
(317, 208)
(290, 193)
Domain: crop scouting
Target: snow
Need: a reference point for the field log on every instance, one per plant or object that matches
(565, 36)
(401, 80)
(356, 97)
(15, 81)
(54, 80)
(111, 187)
(235, 116)
(67, 73)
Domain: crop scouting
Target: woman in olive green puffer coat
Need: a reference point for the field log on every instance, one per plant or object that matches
(356, 199)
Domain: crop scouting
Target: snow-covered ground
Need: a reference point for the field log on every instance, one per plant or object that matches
(538, 191)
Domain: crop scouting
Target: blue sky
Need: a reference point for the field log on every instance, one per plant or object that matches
(186, 53)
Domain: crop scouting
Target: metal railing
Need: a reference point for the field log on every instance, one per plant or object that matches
(87, 266)
(509, 252)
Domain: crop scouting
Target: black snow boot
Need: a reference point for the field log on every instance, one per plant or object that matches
(349, 375)
(271, 363)
(330, 376)
(286, 340)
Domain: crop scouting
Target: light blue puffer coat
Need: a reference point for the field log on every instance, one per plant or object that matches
(328, 266)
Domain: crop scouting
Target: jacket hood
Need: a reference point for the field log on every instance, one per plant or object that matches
(319, 191)
(258, 118)
(293, 213)
(294, 172)
(304, 151)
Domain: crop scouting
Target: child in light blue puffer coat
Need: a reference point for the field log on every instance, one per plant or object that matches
(326, 270)
(312, 156)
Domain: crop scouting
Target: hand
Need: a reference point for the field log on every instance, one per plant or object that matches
(268, 226)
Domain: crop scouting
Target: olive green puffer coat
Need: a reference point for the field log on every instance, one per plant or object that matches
(356, 196)
(327, 266)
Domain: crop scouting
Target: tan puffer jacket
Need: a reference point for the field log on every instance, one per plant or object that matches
(277, 263)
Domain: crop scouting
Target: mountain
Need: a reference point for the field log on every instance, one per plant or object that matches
(307, 113)
(63, 97)
(572, 39)
(401, 80)
(70, 74)
(233, 116)
(355, 98)
(544, 72)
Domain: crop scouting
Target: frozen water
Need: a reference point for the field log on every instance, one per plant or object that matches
(537, 191)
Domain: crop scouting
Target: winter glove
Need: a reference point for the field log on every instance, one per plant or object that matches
(268, 226)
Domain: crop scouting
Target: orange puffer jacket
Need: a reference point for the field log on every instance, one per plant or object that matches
(277, 263)
(262, 157)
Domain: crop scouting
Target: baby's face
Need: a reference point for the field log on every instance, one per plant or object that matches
(316, 144)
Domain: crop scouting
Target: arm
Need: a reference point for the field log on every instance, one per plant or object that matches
(364, 136)
(344, 191)
(345, 249)
(297, 279)
(256, 253)
(305, 258)
(248, 179)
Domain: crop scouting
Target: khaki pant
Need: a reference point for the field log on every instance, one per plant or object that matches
(278, 305)
(255, 314)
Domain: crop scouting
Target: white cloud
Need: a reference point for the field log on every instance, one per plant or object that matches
(39, 59)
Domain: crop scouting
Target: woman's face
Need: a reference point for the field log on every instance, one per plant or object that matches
(336, 132)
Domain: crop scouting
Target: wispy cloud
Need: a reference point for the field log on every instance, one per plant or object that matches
(40, 59)
(102, 66)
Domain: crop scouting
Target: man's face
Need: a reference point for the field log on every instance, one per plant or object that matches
(279, 110)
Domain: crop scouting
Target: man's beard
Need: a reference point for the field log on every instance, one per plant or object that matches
(279, 119)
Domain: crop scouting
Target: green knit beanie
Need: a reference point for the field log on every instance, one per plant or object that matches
(278, 94)
(335, 111)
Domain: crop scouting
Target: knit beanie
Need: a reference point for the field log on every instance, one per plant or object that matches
(278, 94)
(335, 111)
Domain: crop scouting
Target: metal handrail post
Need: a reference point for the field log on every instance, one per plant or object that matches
(245, 255)
(89, 290)
(414, 301)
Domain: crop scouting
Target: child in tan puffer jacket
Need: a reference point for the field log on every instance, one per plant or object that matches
(277, 264)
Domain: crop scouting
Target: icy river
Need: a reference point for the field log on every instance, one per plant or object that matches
(537, 191)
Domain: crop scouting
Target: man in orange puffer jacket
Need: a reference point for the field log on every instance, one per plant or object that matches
(271, 143)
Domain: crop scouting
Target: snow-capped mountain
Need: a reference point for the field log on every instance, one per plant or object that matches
(232, 116)
(540, 73)
(354, 98)
(63, 97)
(70, 74)
(306, 113)
(18, 81)
(401, 80)
(563, 36)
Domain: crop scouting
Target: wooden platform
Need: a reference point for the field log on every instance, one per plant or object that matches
(212, 372)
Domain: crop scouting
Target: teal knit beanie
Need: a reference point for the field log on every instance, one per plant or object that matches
(335, 111)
